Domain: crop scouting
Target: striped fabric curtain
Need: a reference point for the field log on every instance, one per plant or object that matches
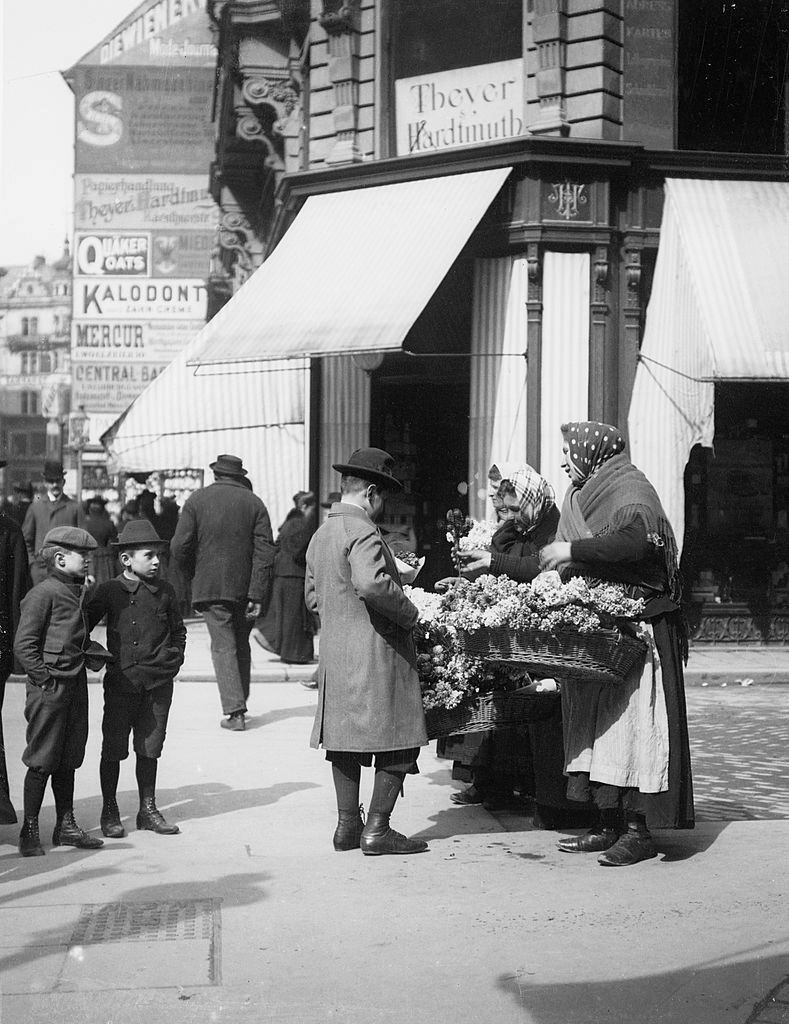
(497, 415)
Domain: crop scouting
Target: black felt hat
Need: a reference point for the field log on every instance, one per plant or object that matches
(230, 465)
(371, 464)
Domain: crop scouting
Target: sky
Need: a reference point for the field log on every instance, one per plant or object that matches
(39, 40)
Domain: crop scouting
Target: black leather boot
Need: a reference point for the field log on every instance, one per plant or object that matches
(378, 838)
(150, 818)
(7, 812)
(349, 830)
(68, 833)
(29, 841)
(110, 820)
(595, 841)
(633, 846)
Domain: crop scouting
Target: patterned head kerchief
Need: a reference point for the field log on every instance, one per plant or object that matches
(591, 444)
(533, 491)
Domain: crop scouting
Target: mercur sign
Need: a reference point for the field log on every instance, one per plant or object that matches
(460, 107)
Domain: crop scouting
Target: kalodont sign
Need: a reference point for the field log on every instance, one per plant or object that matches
(459, 108)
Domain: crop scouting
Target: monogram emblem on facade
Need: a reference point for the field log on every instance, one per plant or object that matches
(567, 197)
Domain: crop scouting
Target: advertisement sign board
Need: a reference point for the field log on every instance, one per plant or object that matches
(160, 32)
(110, 387)
(460, 107)
(130, 340)
(143, 119)
(143, 202)
(97, 298)
(113, 255)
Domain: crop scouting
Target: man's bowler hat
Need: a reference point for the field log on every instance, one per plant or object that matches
(230, 465)
(371, 464)
(53, 470)
(69, 537)
(139, 533)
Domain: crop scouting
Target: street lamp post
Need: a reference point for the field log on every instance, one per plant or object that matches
(78, 436)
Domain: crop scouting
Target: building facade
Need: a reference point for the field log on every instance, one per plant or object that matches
(35, 331)
(528, 147)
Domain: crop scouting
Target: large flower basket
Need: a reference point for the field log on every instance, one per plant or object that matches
(604, 656)
(490, 711)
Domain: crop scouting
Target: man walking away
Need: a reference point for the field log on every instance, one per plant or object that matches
(223, 544)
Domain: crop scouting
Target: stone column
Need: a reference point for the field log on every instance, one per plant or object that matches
(534, 356)
(549, 28)
(340, 21)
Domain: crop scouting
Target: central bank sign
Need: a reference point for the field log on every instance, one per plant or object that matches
(459, 108)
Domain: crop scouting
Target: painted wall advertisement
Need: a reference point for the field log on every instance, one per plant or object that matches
(143, 217)
(459, 108)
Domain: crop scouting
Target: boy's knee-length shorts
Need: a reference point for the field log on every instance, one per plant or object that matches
(57, 724)
(144, 714)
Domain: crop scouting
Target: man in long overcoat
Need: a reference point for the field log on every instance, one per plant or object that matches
(53, 509)
(369, 699)
(14, 584)
(223, 543)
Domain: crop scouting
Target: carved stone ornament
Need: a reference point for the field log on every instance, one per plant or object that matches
(568, 197)
(633, 270)
(233, 240)
(533, 263)
(258, 89)
(339, 16)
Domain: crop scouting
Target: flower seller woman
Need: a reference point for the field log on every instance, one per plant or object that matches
(531, 758)
(626, 744)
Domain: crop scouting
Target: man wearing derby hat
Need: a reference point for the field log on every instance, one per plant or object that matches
(223, 543)
(147, 639)
(51, 510)
(369, 699)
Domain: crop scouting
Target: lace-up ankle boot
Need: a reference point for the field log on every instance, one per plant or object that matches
(68, 833)
(349, 829)
(150, 818)
(378, 838)
(29, 840)
(110, 820)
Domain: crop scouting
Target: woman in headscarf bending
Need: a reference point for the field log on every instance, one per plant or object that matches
(626, 744)
(530, 759)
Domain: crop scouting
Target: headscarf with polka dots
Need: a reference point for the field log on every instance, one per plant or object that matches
(590, 445)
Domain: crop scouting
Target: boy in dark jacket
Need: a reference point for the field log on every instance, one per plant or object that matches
(147, 638)
(49, 644)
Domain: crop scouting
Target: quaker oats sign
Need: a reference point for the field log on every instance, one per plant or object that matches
(459, 108)
(145, 222)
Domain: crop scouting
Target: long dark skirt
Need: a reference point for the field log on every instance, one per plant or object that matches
(286, 624)
(674, 808)
(529, 757)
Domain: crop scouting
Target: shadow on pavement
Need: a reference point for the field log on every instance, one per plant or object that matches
(662, 998)
(279, 715)
(237, 890)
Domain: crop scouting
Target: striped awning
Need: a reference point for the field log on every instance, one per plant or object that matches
(352, 273)
(719, 310)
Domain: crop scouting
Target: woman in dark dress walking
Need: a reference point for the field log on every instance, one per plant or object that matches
(625, 745)
(287, 628)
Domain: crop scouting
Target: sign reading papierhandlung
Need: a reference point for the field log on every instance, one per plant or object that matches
(459, 108)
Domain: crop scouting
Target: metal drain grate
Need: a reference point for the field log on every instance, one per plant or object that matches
(168, 921)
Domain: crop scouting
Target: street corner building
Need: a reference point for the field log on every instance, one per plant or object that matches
(446, 229)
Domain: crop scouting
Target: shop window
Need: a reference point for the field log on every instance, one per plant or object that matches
(733, 68)
(18, 445)
(38, 443)
(29, 403)
(445, 35)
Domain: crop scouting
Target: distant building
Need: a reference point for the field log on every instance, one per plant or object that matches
(35, 332)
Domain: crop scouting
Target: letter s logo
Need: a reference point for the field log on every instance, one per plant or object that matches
(99, 123)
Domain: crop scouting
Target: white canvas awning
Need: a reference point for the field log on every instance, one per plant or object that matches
(719, 310)
(352, 273)
(183, 421)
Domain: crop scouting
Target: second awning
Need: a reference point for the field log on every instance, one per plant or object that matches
(352, 273)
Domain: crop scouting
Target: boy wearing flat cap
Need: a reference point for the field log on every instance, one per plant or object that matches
(50, 645)
(147, 638)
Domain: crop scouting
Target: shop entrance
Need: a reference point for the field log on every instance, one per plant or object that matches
(736, 555)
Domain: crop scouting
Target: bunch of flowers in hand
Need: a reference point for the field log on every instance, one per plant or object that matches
(458, 527)
(544, 604)
(448, 677)
(479, 536)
